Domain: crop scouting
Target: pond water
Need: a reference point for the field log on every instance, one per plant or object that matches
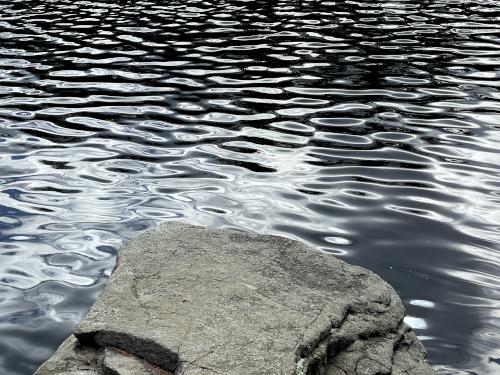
(369, 129)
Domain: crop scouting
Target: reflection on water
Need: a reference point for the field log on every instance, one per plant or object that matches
(369, 129)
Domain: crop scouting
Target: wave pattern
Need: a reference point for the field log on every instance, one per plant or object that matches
(369, 129)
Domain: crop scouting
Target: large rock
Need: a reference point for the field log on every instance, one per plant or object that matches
(190, 300)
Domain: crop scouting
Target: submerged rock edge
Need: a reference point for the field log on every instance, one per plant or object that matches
(186, 300)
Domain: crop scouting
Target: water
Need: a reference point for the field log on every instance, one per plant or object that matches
(369, 129)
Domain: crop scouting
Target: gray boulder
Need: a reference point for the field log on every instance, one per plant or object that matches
(189, 300)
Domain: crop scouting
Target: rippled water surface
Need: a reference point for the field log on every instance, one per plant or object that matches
(369, 129)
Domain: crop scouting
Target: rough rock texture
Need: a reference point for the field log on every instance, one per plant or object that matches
(190, 300)
(116, 361)
(71, 358)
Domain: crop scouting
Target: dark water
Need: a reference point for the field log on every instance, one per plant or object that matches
(369, 129)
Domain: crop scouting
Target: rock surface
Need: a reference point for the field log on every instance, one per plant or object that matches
(190, 300)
